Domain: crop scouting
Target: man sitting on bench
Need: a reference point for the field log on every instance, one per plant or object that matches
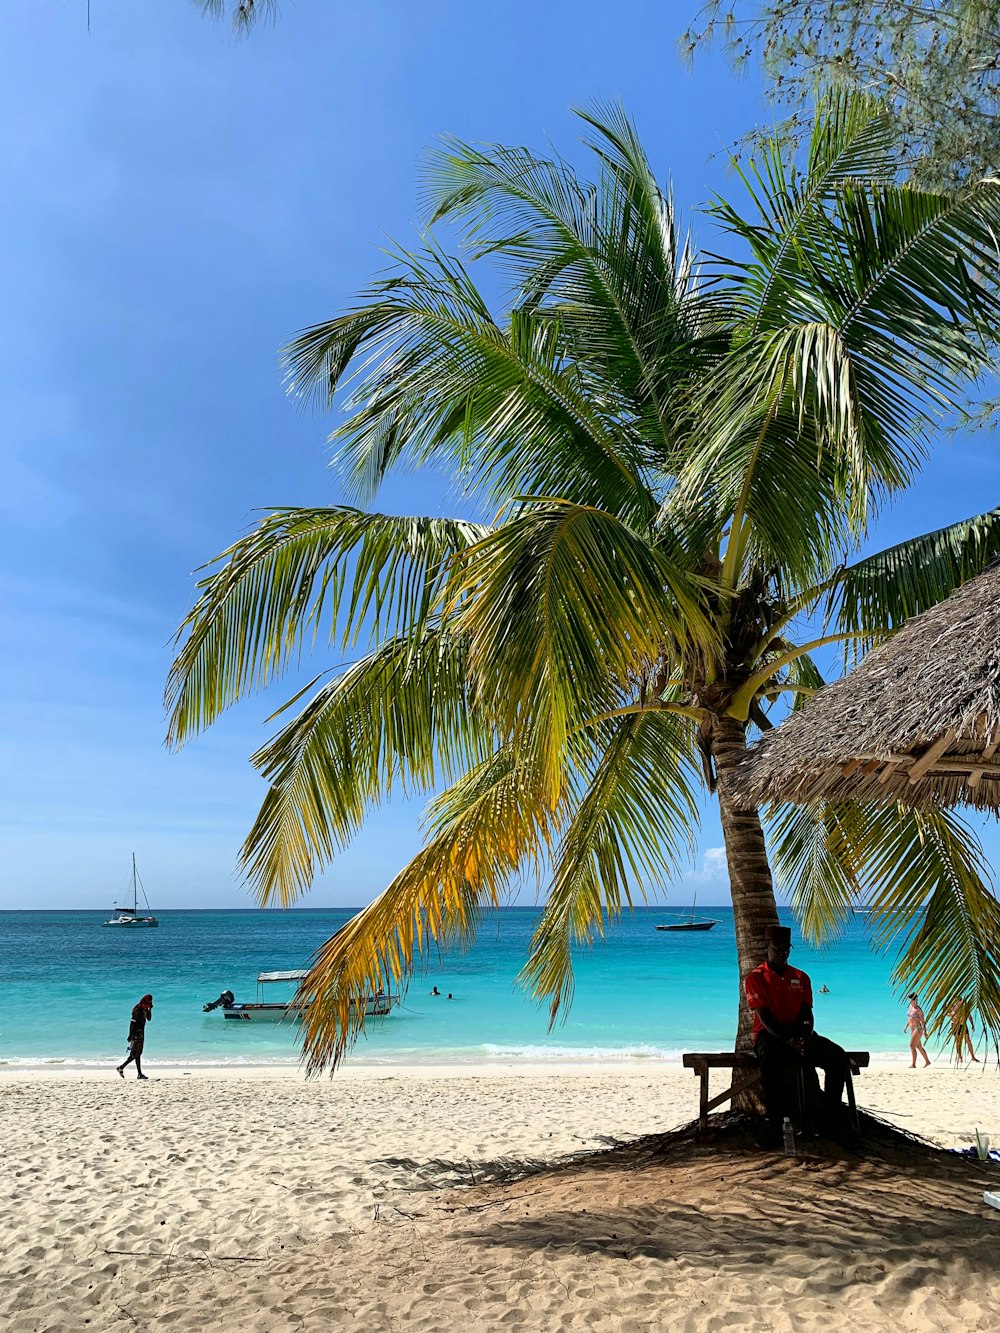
(783, 1037)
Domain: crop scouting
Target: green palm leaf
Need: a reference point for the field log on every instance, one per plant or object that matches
(925, 881)
(367, 574)
(245, 13)
(885, 589)
(932, 901)
(606, 258)
(864, 302)
(400, 718)
(634, 812)
(817, 861)
(563, 606)
(439, 380)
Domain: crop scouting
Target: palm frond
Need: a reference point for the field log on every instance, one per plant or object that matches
(401, 718)
(632, 826)
(437, 380)
(864, 303)
(246, 14)
(817, 861)
(852, 138)
(885, 589)
(765, 461)
(418, 284)
(932, 902)
(925, 881)
(482, 832)
(605, 256)
(905, 274)
(368, 574)
(563, 605)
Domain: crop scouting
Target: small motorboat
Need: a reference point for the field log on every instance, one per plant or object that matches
(377, 1005)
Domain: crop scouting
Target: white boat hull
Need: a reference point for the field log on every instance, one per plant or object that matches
(262, 1013)
(376, 1006)
(132, 923)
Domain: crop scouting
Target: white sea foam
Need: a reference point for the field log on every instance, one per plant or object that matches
(487, 1053)
(162, 1062)
(638, 1051)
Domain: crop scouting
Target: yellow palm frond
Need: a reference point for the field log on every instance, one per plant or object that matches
(483, 830)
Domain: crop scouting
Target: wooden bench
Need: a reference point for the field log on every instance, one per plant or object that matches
(703, 1061)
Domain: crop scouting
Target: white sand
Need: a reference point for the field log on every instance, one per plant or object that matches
(256, 1201)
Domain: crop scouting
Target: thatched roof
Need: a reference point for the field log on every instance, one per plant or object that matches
(917, 721)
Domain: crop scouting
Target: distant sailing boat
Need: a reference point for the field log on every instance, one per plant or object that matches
(129, 916)
(691, 923)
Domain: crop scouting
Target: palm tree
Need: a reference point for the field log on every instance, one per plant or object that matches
(678, 455)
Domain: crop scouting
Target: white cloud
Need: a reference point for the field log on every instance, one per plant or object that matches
(714, 862)
(711, 874)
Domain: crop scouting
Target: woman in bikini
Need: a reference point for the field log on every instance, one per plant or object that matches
(959, 1015)
(916, 1025)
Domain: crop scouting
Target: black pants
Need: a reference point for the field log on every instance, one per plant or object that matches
(778, 1061)
(134, 1053)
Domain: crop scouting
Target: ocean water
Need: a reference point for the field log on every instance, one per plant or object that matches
(69, 986)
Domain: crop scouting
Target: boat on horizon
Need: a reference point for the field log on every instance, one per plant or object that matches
(128, 917)
(706, 923)
(377, 1005)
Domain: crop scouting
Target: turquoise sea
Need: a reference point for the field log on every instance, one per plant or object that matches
(68, 987)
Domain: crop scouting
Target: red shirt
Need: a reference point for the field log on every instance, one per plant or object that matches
(784, 993)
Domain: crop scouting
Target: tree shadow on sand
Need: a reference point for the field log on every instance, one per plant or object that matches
(895, 1211)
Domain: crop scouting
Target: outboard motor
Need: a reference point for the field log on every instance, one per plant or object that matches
(226, 1000)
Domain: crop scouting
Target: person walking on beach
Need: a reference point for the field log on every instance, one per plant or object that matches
(784, 1039)
(916, 1025)
(141, 1015)
(959, 1015)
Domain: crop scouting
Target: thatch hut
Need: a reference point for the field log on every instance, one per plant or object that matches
(918, 721)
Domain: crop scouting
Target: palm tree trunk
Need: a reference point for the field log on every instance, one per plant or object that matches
(750, 880)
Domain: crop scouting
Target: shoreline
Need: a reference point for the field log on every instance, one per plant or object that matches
(943, 1104)
(481, 1067)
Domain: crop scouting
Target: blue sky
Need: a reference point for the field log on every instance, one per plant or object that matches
(177, 203)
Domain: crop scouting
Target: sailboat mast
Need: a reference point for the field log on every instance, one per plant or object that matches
(135, 889)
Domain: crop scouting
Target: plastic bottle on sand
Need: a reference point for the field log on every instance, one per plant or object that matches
(788, 1134)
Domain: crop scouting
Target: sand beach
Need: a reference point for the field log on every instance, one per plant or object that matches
(449, 1199)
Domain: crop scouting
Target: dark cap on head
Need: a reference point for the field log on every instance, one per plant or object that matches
(781, 935)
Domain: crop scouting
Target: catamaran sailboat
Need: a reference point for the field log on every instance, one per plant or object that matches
(129, 916)
(690, 923)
